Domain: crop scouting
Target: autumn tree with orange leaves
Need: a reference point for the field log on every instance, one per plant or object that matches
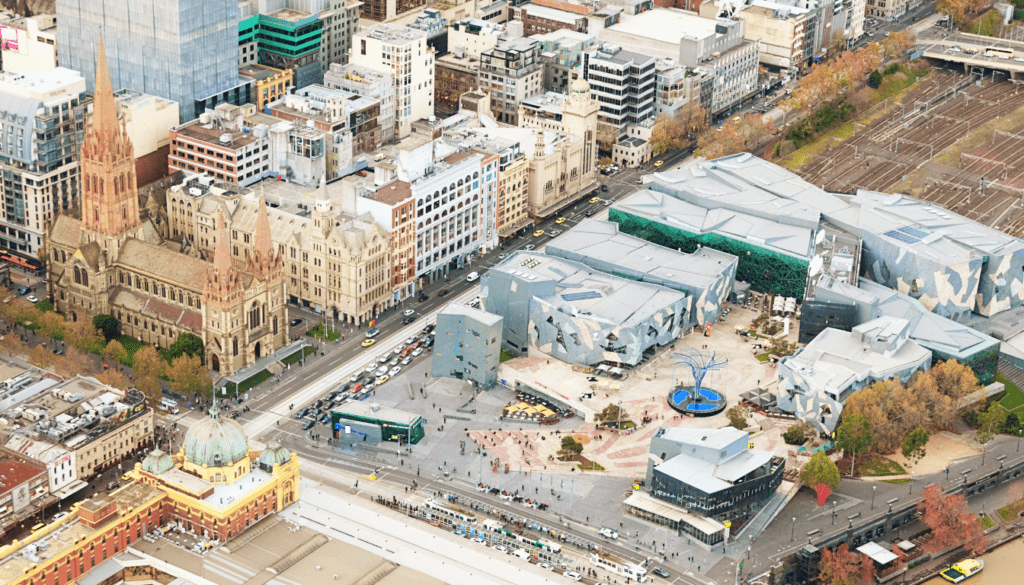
(951, 522)
(843, 567)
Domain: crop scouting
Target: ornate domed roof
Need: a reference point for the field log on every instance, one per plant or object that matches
(215, 442)
(274, 454)
(579, 85)
(157, 462)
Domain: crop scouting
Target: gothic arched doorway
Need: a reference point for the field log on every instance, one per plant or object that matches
(258, 350)
(215, 363)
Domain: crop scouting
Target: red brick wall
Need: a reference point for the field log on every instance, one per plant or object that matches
(152, 167)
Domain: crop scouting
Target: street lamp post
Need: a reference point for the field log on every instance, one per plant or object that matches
(873, 489)
(792, 531)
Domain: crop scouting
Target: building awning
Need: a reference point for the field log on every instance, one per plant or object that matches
(70, 489)
(644, 502)
(878, 554)
(603, 367)
(616, 371)
(101, 572)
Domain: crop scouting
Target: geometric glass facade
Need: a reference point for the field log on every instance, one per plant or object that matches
(182, 50)
(765, 270)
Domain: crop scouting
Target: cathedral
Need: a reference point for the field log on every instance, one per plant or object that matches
(112, 262)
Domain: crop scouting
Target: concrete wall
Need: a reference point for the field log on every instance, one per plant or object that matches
(467, 348)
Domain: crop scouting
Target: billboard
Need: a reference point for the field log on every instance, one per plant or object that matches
(8, 38)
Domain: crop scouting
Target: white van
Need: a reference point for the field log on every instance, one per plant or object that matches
(169, 405)
(472, 276)
(522, 554)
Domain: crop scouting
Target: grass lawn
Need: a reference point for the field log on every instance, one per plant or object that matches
(594, 466)
(296, 356)
(1014, 398)
(45, 305)
(761, 357)
(879, 466)
(1011, 511)
(901, 480)
(323, 334)
(130, 345)
(248, 382)
(986, 523)
(506, 355)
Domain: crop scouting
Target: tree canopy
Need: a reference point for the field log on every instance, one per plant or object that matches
(854, 436)
(951, 522)
(820, 470)
(844, 567)
(187, 344)
(107, 325)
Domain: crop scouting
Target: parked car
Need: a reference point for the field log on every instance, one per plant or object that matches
(529, 247)
(32, 299)
(395, 371)
(24, 291)
(416, 352)
(412, 339)
(409, 312)
(572, 575)
(295, 322)
(407, 361)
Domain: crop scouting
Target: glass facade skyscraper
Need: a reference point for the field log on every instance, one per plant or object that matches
(182, 50)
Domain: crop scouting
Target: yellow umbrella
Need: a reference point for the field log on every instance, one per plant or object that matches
(512, 408)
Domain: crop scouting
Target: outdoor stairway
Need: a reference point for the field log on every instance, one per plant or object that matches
(1012, 372)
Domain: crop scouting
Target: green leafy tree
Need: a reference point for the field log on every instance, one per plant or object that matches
(187, 344)
(875, 79)
(853, 436)
(737, 417)
(913, 444)
(820, 470)
(148, 366)
(107, 325)
(991, 421)
(798, 433)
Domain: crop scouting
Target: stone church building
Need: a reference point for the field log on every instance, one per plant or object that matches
(111, 262)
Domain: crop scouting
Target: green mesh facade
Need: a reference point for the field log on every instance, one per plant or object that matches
(983, 363)
(766, 271)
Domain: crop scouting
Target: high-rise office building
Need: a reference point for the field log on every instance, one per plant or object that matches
(42, 124)
(182, 50)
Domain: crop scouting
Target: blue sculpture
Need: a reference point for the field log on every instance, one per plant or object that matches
(696, 400)
(700, 364)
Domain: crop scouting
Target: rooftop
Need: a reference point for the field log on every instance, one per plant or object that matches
(136, 98)
(553, 13)
(257, 71)
(374, 410)
(475, 314)
(210, 135)
(602, 241)
(40, 83)
(613, 54)
(926, 229)
(290, 15)
(16, 470)
(583, 290)
(392, 33)
(666, 26)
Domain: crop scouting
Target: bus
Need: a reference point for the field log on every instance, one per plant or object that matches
(998, 52)
(169, 405)
(618, 566)
(453, 514)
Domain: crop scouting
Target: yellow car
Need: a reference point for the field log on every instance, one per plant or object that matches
(368, 342)
(659, 163)
(560, 220)
(383, 379)
(127, 477)
(538, 233)
(595, 199)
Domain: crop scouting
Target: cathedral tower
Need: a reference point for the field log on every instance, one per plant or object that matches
(261, 261)
(110, 200)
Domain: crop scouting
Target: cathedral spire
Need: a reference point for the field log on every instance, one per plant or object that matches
(223, 284)
(110, 198)
(104, 118)
(261, 260)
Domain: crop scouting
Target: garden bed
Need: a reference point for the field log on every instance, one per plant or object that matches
(247, 383)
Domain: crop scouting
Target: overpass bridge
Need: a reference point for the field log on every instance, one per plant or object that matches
(977, 54)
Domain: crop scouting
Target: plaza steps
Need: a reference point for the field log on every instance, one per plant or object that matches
(1012, 372)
